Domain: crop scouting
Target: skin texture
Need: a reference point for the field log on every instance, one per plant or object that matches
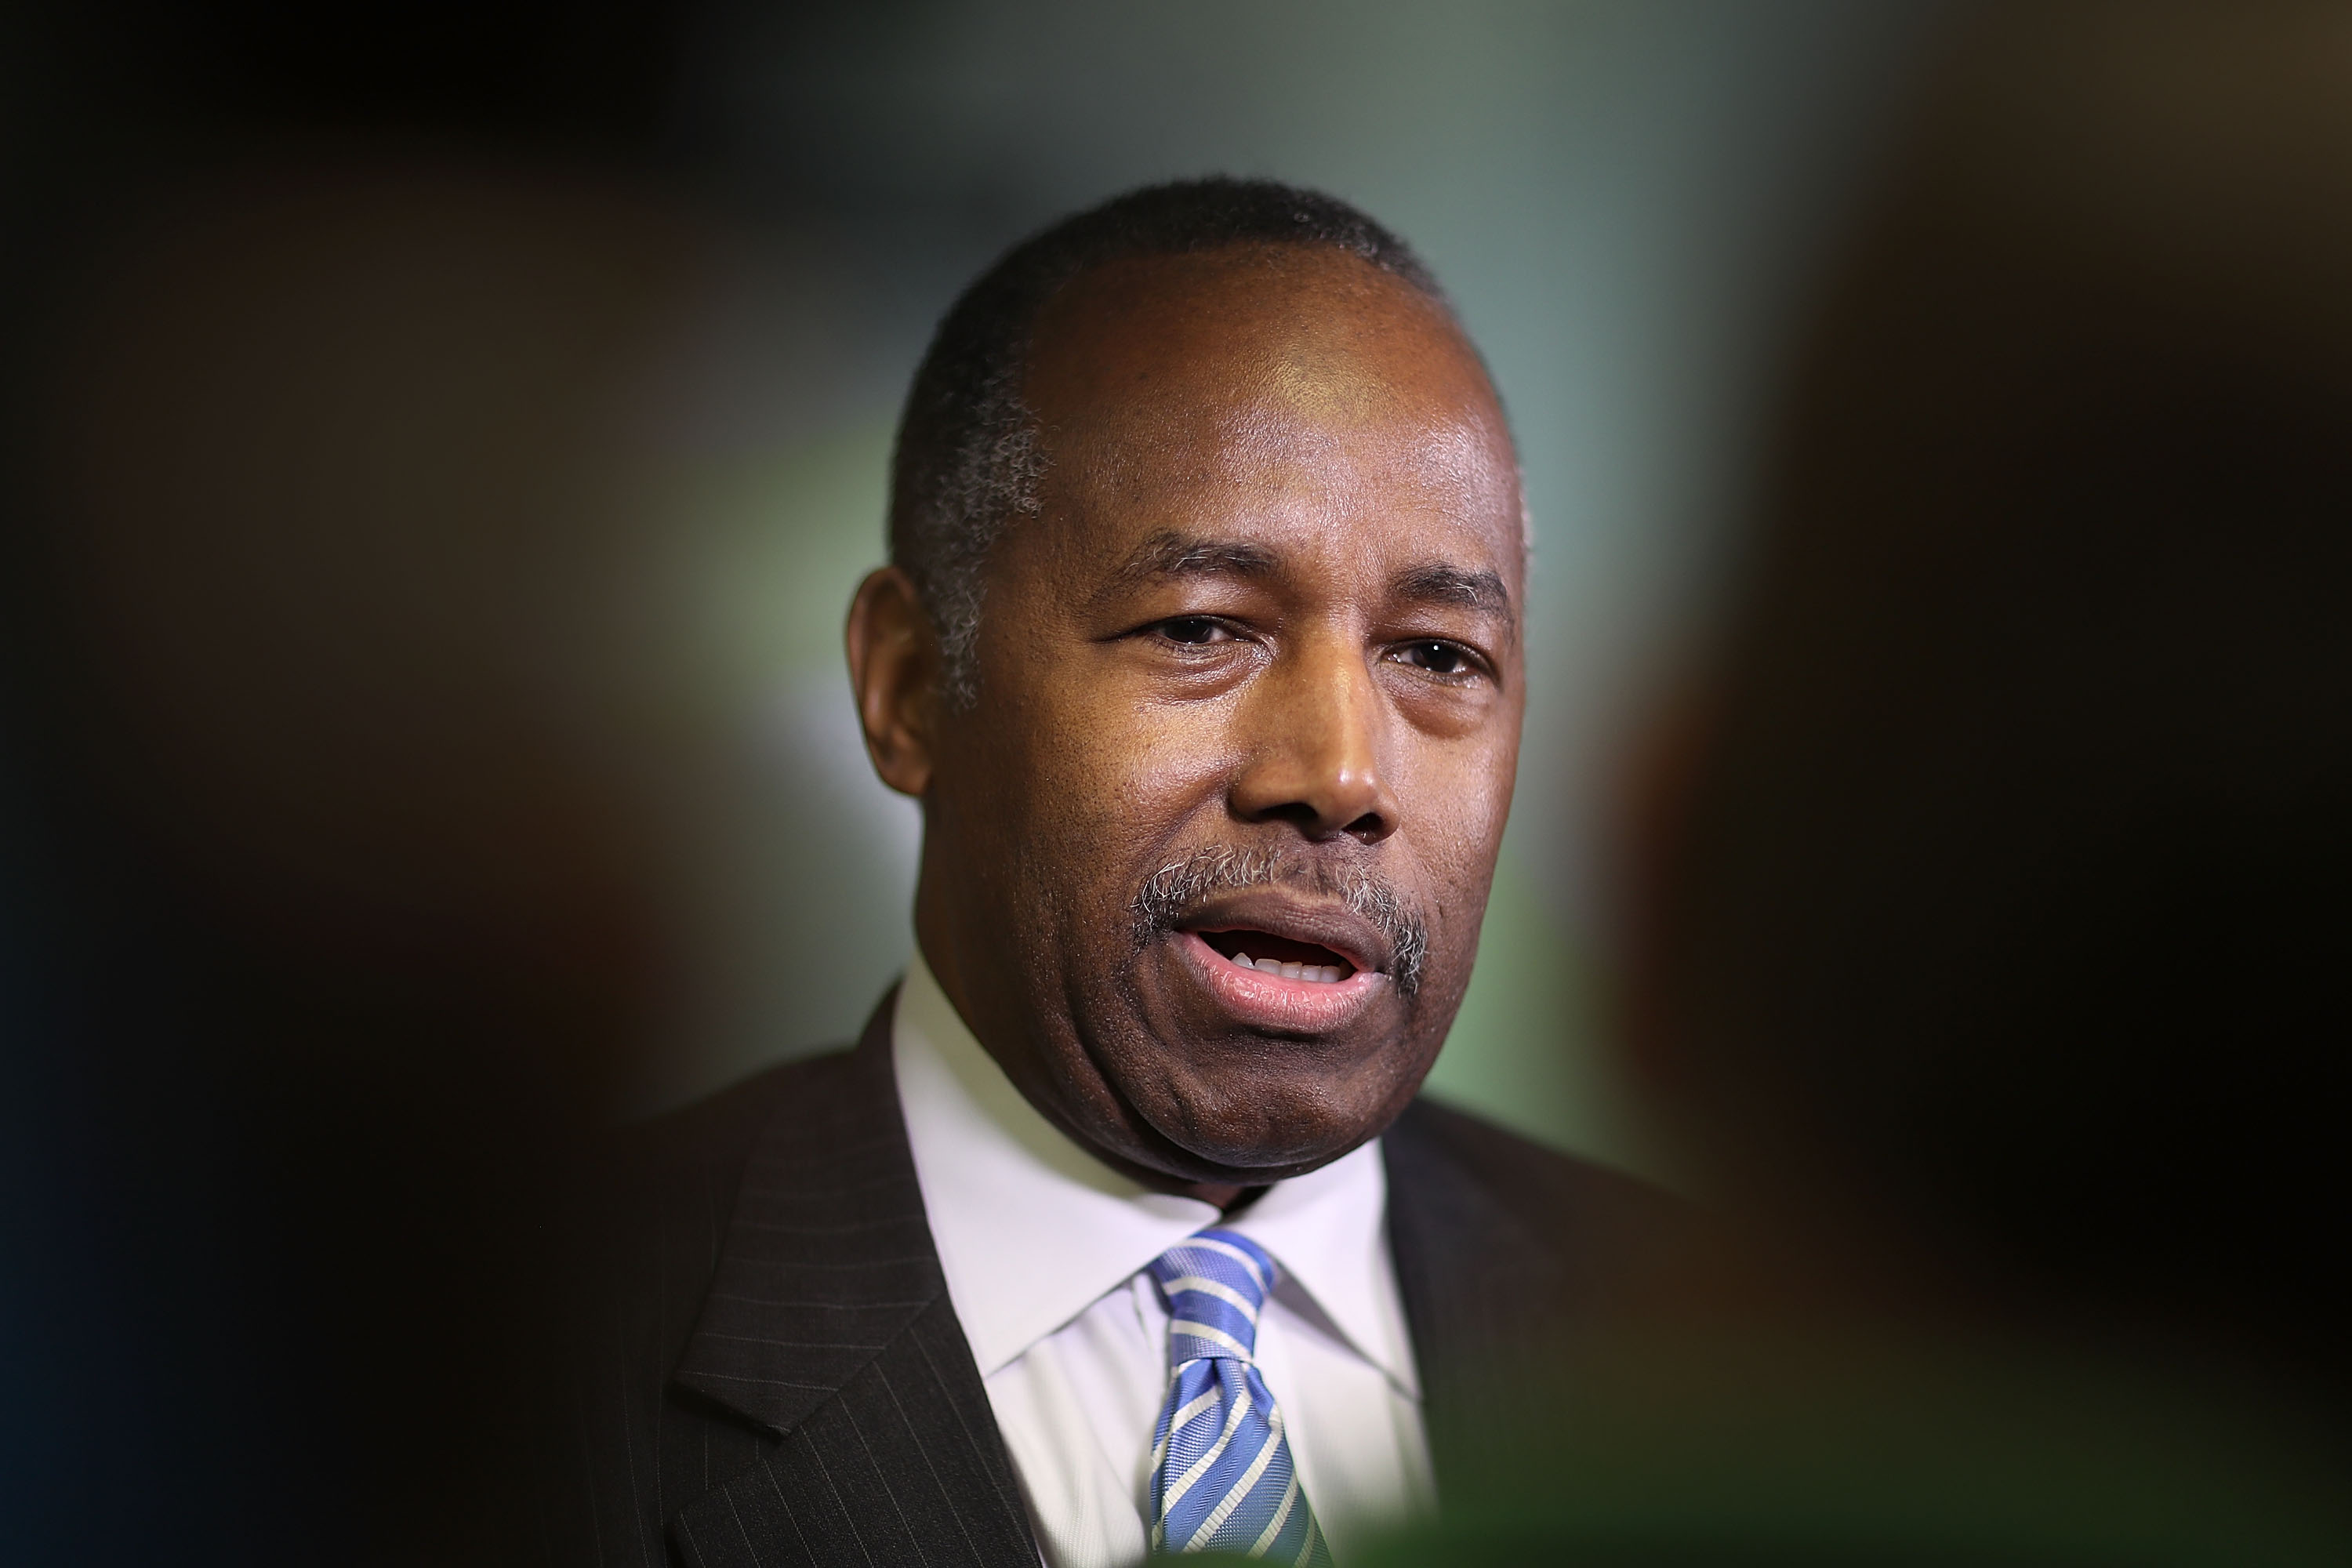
(1271, 605)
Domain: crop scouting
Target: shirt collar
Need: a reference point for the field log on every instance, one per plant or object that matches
(1032, 1229)
(1329, 1229)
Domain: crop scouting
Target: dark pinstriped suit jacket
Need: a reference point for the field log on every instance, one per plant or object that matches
(770, 1373)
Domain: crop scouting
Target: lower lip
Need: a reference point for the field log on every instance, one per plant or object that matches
(1270, 1001)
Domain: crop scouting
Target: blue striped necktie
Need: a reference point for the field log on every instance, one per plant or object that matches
(1221, 1480)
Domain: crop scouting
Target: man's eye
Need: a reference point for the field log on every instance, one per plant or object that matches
(1437, 657)
(1194, 630)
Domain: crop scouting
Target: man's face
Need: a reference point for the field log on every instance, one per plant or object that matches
(1249, 686)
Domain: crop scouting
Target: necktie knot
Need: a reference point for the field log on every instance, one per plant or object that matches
(1215, 1282)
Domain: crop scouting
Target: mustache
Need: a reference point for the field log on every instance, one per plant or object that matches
(1181, 886)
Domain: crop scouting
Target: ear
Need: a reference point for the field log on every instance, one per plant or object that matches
(894, 666)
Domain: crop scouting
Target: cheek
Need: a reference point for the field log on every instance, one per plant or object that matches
(1108, 780)
(1460, 803)
(1458, 796)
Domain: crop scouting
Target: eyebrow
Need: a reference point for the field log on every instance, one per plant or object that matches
(1439, 584)
(1168, 553)
(1171, 554)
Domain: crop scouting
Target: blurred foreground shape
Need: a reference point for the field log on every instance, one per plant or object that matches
(1986, 901)
(353, 909)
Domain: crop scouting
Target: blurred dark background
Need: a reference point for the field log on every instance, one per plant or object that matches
(439, 444)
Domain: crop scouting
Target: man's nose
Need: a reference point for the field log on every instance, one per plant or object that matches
(1318, 748)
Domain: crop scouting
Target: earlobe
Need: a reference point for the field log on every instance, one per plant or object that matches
(893, 669)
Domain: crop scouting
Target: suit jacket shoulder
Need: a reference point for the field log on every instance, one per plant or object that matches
(1506, 1251)
(659, 1198)
(1596, 1222)
(767, 1370)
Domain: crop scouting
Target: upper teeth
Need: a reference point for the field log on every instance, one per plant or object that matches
(1319, 973)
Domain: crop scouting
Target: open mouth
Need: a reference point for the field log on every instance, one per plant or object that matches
(1286, 984)
(1277, 955)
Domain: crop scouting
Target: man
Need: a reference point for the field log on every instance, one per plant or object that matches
(1123, 1230)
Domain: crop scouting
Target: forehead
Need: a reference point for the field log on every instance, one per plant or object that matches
(1274, 385)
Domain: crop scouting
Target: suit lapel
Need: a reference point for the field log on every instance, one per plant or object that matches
(1507, 1254)
(828, 1326)
(1472, 1275)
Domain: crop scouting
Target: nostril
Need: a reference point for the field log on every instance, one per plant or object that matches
(1370, 828)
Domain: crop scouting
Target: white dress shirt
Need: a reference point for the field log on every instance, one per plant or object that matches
(1045, 1249)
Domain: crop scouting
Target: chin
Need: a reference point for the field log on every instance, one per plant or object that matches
(1260, 1126)
(1218, 1082)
